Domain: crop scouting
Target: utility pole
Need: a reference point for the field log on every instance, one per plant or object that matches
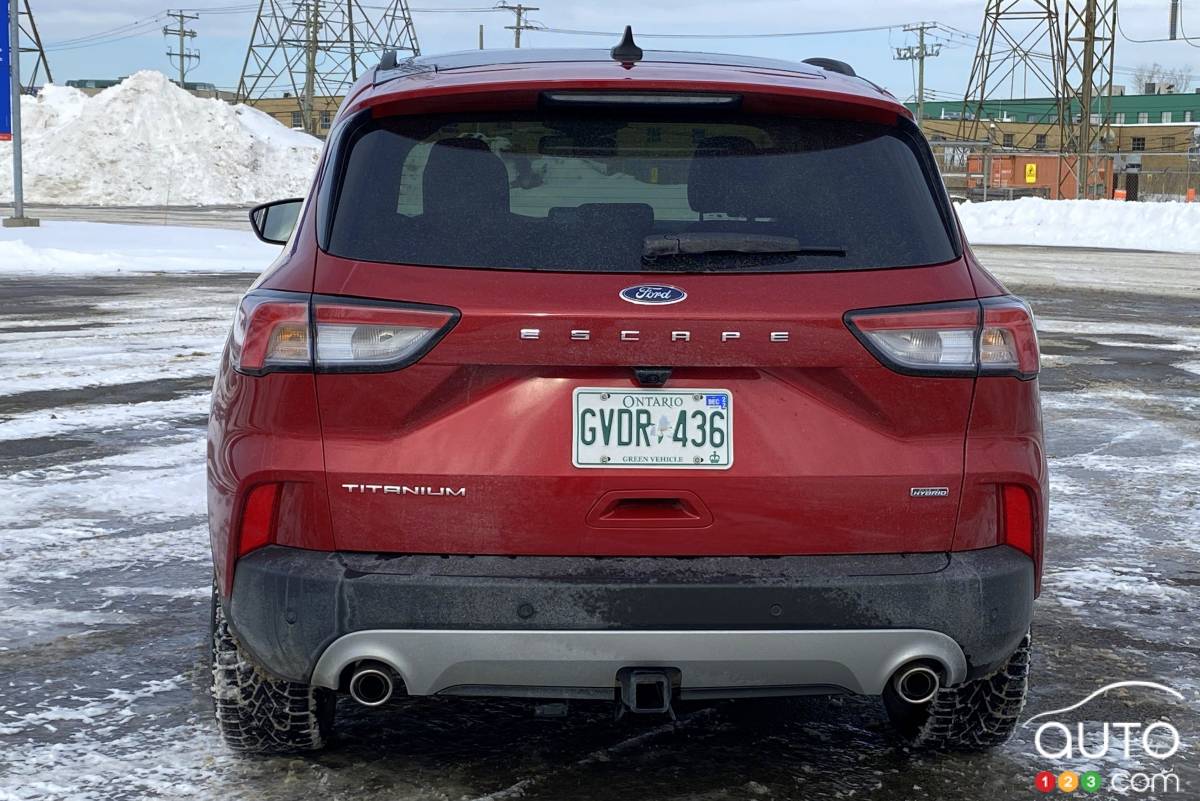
(312, 28)
(521, 25)
(184, 33)
(481, 37)
(13, 56)
(919, 54)
(1089, 47)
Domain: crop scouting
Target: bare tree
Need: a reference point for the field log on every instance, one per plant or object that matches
(1179, 79)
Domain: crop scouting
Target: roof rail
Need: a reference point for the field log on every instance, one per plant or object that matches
(388, 62)
(832, 65)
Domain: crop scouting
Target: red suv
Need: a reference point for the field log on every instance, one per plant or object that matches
(628, 376)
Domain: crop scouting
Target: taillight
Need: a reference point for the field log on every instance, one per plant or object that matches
(1008, 344)
(289, 331)
(360, 336)
(258, 518)
(960, 338)
(936, 339)
(270, 333)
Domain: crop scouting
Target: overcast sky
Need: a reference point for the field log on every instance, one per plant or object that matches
(224, 29)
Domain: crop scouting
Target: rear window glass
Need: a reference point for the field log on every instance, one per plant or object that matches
(619, 193)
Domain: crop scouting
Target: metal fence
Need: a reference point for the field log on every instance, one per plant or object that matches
(969, 172)
(1169, 183)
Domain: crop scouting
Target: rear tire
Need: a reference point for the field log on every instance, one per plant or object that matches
(972, 716)
(258, 714)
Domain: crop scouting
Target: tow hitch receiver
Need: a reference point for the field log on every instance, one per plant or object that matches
(648, 691)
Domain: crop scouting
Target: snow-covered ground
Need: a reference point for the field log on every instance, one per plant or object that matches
(81, 248)
(104, 568)
(148, 142)
(60, 247)
(1173, 227)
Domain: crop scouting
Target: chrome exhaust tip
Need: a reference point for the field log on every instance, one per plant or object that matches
(372, 685)
(916, 684)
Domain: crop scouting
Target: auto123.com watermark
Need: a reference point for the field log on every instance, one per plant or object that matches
(1149, 745)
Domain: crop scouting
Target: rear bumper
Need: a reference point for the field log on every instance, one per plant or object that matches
(520, 625)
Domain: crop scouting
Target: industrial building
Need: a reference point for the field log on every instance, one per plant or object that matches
(1155, 107)
(1151, 148)
(94, 86)
(286, 110)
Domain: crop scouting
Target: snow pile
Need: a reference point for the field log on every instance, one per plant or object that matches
(1084, 223)
(146, 142)
(73, 248)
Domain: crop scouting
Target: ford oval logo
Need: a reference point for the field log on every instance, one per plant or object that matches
(653, 294)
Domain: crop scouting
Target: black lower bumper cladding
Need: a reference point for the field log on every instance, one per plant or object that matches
(288, 604)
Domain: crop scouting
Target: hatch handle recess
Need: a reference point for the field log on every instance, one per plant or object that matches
(649, 508)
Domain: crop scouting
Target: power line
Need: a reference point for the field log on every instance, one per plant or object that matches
(224, 9)
(1186, 38)
(138, 28)
(461, 10)
(780, 35)
(451, 10)
(1128, 38)
(952, 31)
(148, 25)
(141, 27)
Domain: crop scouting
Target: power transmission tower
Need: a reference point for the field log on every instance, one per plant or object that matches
(186, 57)
(1020, 39)
(521, 25)
(1087, 86)
(310, 49)
(919, 54)
(31, 42)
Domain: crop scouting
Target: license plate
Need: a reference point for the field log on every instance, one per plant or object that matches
(647, 428)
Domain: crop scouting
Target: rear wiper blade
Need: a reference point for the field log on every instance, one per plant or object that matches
(695, 243)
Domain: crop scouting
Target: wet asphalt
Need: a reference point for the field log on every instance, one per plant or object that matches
(104, 577)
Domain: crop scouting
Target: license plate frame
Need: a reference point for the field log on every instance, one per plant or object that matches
(665, 452)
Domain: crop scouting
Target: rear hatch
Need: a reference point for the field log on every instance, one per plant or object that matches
(627, 335)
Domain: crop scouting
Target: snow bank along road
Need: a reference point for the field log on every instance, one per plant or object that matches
(132, 143)
(104, 579)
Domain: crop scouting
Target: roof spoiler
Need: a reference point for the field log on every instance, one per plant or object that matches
(832, 65)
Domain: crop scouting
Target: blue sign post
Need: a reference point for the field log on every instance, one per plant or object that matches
(5, 66)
